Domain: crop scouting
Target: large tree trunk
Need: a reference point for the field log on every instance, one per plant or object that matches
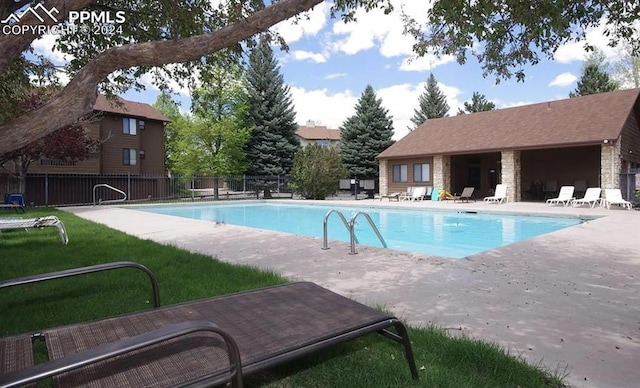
(78, 97)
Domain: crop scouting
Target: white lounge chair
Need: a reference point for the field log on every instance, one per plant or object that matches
(41, 222)
(418, 193)
(591, 197)
(500, 196)
(614, 197)
(407, 196)
(564, 197)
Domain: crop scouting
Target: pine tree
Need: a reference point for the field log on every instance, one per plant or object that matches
(479, 103)
(273, 141)
(365, 135)
(432, 103)
(595, 78)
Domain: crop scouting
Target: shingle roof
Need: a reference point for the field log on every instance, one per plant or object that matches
(573, 121)
(129, 108)
(318, 133)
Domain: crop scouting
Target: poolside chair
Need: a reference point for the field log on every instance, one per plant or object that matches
(435, 194)
(564, 197)
(207, 342)
(500, 195)
(407, 195)
(418, 193)
(13, 201)
(591, 197)
(614, 197)
(41, 222)
(465, 196)
(391, 196)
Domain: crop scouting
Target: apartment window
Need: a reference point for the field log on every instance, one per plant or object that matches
(323, 143)
(399, 172)
(129, 126)
(421, 172)
(129, 156)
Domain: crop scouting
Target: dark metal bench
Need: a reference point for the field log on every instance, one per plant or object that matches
(200, 343)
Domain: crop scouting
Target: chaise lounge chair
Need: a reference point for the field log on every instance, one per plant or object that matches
(418, 193)
(41, 222)
(465, 196)
(500, 195)
(201, 343)
(391, 196)
(564, 197)
(591, 197)
(614, 197)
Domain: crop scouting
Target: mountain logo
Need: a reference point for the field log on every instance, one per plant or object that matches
(39, 11)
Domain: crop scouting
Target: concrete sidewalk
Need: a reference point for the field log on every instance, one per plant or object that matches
(567, 300)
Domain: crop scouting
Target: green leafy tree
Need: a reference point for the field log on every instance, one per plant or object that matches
(365, 135)
(170, 108)
(478, 103)
(595, 78)
(513, 34)
(432, 103)
(273, 143)
(212, 141)
(317, 171)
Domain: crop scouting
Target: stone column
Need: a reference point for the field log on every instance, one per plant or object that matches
(610, 165)
(511, 174)
(442, 172)
(383, 173)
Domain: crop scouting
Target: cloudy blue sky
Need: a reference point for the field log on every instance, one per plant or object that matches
(330, 63)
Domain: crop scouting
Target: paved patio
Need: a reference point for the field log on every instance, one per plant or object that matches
(569, 300)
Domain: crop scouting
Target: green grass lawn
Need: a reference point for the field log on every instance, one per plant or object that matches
(372, 361)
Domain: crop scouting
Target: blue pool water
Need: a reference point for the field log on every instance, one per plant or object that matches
(447, 234)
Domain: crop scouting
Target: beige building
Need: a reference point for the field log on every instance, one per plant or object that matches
(534, 149)
(312, 133)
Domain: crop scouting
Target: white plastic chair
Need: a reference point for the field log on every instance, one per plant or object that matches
(500, 196)
(591, 197)
(614, 197)
(564, 197)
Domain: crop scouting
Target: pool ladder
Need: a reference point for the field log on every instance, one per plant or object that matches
(350, 225)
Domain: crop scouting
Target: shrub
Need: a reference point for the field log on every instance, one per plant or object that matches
(316, 171)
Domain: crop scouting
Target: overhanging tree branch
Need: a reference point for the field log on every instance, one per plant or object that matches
(78, 97)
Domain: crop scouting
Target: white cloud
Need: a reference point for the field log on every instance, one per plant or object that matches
(181, 89)
(321, 106)
(336, 75)
(428, 62)
(44, 47)
(375, 29)
(309, 23)
(575, 51)
(563, 79)
(302, 55)
(511, 104)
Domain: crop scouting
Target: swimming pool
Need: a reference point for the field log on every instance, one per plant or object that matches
(448, 234)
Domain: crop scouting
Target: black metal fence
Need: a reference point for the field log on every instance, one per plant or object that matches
(78, 189)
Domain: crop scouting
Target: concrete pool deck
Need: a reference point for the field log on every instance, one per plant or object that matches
(568, 300)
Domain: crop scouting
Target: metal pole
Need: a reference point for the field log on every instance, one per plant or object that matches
(46, 189)
(129, 185)
(352, 237)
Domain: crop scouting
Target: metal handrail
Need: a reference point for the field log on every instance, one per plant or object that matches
(352, 224)
(325, 243)
(100, 202)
